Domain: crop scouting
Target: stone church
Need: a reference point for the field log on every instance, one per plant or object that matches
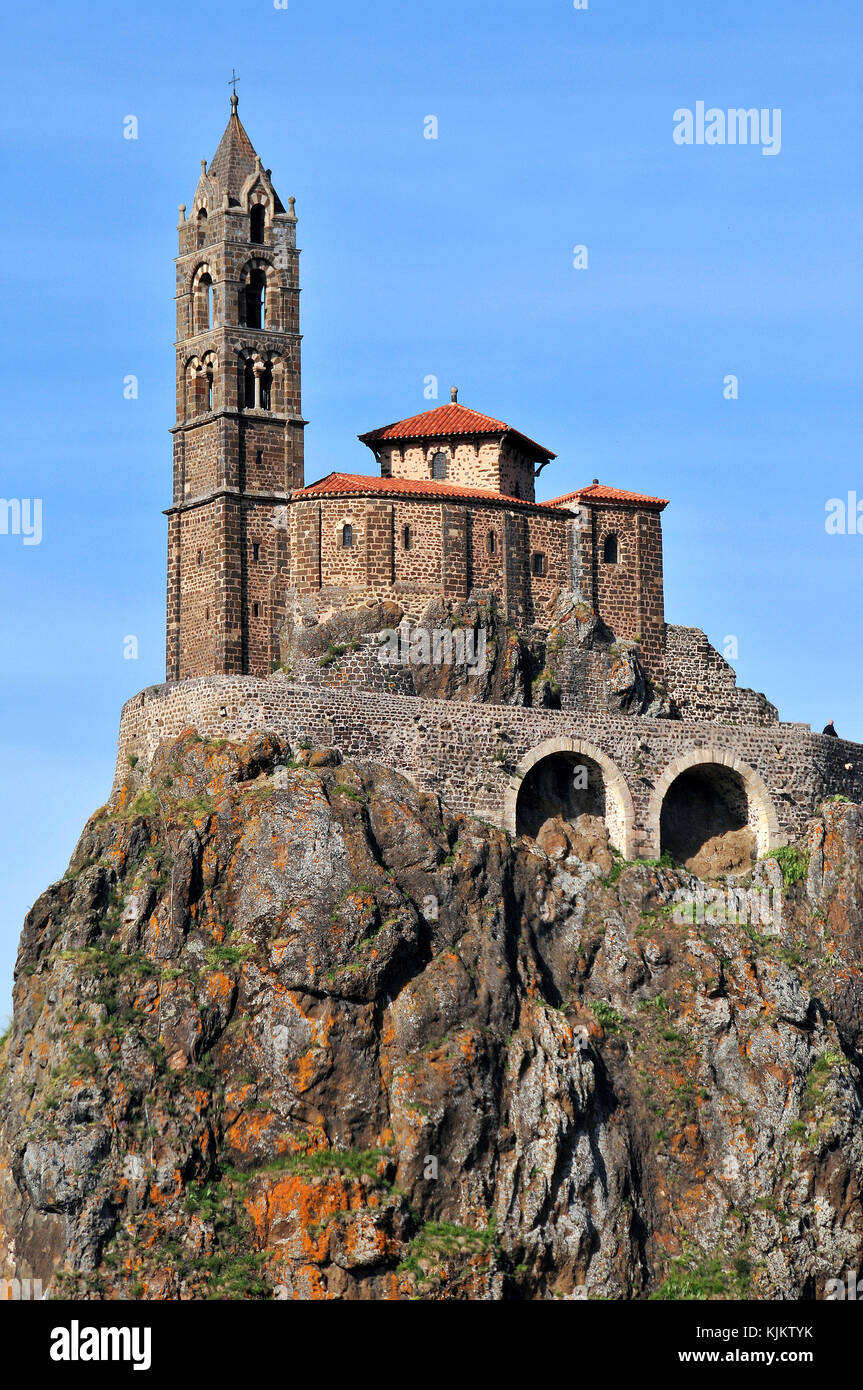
(453, 510)
(279, 591)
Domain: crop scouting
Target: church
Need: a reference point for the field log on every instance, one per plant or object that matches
(451, 511)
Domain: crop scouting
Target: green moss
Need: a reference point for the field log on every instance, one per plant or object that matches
(609, 1018)
(438, 1241)
(697, 1281)
(793, 862)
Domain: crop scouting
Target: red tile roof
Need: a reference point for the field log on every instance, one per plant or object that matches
(600, 492)
(449, 420)
(351, 484)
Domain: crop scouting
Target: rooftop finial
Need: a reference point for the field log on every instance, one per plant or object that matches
(232, 82)
(453, 394)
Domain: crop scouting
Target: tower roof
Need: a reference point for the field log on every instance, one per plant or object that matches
(449, 421)
(236, 157)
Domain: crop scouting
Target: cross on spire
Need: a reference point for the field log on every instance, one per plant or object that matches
(233, 80)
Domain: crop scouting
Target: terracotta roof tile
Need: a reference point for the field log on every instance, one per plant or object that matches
(600, 492)
(453, 419)
(352, 484)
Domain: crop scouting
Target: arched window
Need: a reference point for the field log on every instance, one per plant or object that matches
(491, 543)
(610, 550)
(439, 464)
(256, 551)
(200, 558)
(538, 563)
(407, 538)
(204, 303)
(202, 226)
(209, 378)
(257, 223)
(267, 387)
(253, 300)
(347, 535)
(249, 386)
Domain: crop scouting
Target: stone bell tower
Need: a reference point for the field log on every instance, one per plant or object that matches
(238, 438)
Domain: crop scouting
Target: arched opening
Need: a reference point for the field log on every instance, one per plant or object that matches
(562, 780)
(407, 538)
(706, 821)
(491, 543)
(257, 223)
(202, 226)
(253, 300)
(248, 385)
(267, 387)
(347, 535)
(610, 550)
(207, 382)
(439, 465)
(203, 303)
(565, 785)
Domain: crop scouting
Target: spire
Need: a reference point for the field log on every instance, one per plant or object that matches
(235, 159)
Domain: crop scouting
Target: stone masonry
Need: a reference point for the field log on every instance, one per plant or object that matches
(450, 518)
(476, 756)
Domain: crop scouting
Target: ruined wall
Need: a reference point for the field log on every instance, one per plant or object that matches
(704, 686)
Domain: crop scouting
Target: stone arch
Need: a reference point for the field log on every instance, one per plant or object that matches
(258, 292)
(619, 811)
(760, 811)
(202, 305)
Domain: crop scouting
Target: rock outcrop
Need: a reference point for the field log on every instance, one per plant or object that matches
(289, 1028)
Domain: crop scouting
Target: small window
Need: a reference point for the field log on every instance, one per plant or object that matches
(439, 465)
(491, 543)
(259, 457)
(538, 563)
(610, 550)
(207, 613)
(200, 557)
(256, 551)
(257, 222)
(256, 610)
(347, 535)
(407, 538)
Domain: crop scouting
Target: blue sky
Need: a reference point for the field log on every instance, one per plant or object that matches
(451, 257)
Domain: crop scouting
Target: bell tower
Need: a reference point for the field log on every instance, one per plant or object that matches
(238, 437)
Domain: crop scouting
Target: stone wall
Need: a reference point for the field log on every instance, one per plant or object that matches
(475, 756)
(704, 686)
